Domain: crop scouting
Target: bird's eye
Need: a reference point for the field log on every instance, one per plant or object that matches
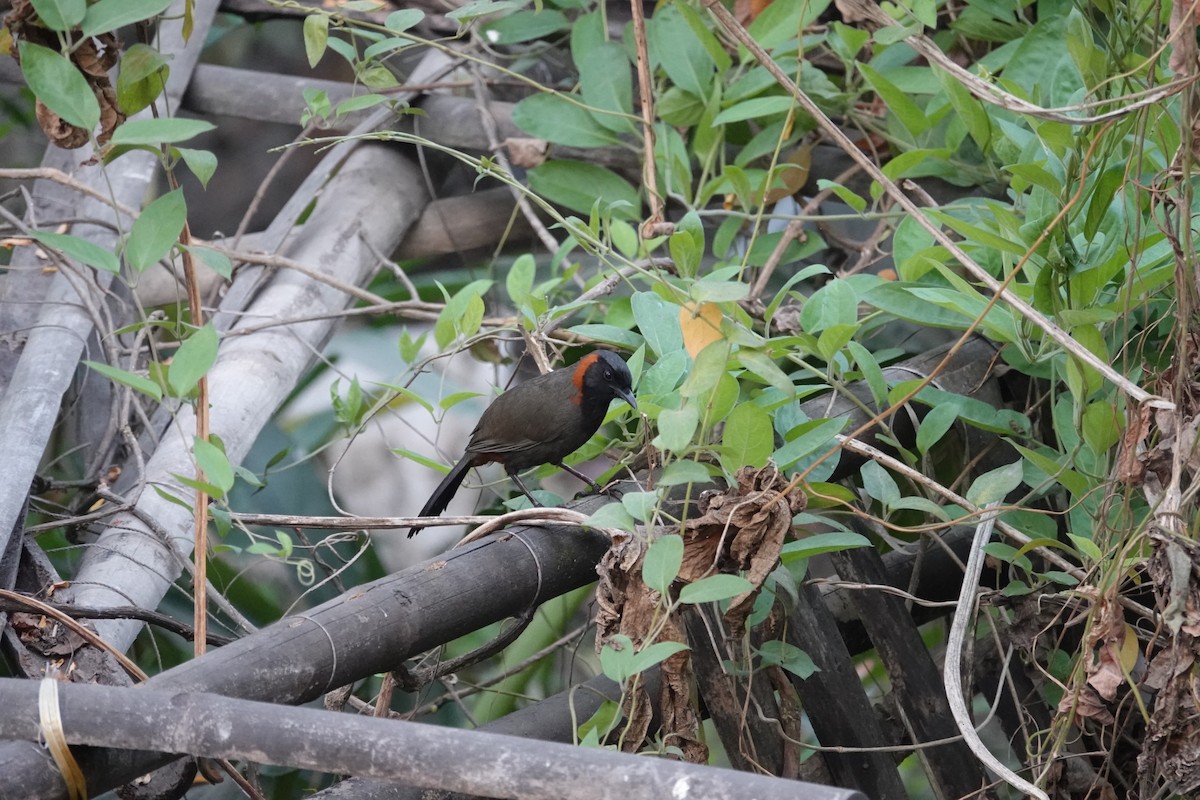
(608, 374)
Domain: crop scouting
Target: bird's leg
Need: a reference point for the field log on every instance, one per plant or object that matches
(521, 485)
(595, 487)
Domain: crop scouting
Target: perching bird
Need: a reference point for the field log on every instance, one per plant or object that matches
(541, 421)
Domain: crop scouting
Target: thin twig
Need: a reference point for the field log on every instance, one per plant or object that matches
(16, 601)
(269, 260)
(60, 177)
(655, 224)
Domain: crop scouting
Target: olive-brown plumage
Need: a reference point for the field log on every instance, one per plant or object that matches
(541, 421)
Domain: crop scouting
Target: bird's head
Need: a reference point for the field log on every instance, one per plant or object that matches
(601, 376)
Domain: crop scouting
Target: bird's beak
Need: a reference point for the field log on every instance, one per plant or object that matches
(627, 396)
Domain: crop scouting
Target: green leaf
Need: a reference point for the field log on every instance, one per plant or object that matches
(156, 231)
(605, 84)
(662, 562)
(834, 338)
(835, 303)
(108, 15)
(60, 15)
(579, 186)
(481, 8)
(1008, 554)
(1102, 195)
(404, 19)
(813, 436)
(764, 367)
(717, 290)
(676, 428)
(969, 109)
(748, 440)
(202, 163)
(610, 334)
(641, 505)
(316, 37)
(939, 420)
(820, 543)
(215, 465)
(138, 383)
(879, 484)
(192, 360)
(709, 366)
(755, 108)
(658, 322)
(347, 410)
(687, 244)
(526, 26)
(616, 658)
(359, 102)
(1087, 547)
(164, 130)
(922, 504)
(458, 318)
(601, 723)
(788, 656)
(676, 49)
(560, 121)
(1102, 425)
(619, 662)
(55, 81)
(992, 486)
(142, 78)
(704, 35)
(678, 473)
(612, 515)
(714, 588)
(871, 371)
(215, 260)
(81, 250)
(655, 654)
(848, 197)
(899, 102)
(897, 300)
(519, 280)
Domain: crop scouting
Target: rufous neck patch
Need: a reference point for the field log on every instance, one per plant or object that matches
(581, 369)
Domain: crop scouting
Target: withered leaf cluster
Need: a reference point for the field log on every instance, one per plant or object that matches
(93, 56)
(739, 530)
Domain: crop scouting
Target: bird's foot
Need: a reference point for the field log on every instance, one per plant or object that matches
(595, 488)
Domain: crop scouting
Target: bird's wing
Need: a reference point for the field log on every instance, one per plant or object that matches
(532, 419)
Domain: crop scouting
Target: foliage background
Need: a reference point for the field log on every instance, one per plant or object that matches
(829, 190)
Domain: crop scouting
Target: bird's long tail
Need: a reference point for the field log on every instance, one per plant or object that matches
(444, 492)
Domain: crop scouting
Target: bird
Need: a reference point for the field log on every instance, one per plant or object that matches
(541, 421)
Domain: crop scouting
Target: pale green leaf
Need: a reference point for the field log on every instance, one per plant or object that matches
(156, 230)
(192, 360)
(55, 81)
(109, 15)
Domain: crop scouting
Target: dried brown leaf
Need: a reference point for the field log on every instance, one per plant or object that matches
(1087, 703)
(526, 152)
(742, 529)
(680, 722)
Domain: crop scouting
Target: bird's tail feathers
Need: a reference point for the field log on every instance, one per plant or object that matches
(445, 491)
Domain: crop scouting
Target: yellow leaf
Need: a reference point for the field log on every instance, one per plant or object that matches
(701, 326)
